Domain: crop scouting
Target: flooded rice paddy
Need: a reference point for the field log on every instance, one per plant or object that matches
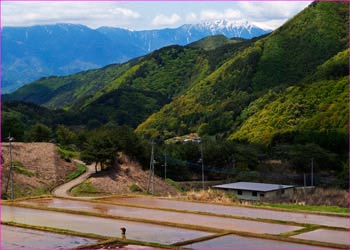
(325, 220)
(340, 237)
(150, 231)
(239, 242)
(166, 216)
(99, 226)
(16, 237)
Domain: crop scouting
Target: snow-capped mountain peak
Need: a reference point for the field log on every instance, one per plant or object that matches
(229, 28)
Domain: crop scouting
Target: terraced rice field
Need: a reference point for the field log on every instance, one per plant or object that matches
(16, 237)
(157, 222)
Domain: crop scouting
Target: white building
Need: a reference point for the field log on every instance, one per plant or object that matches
(255, 191)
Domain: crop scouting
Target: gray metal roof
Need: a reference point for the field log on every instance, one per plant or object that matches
(253, 186)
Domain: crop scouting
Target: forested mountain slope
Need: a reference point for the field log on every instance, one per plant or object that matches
(29, 53)
(133, 90)
(292, 61)
(292, 80)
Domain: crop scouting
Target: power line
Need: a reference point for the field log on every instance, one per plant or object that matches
(228, 171)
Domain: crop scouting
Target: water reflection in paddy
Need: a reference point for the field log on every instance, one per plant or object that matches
(333, 221)
(239, 242)
(16, 237)
(100, 226)
(167, 216)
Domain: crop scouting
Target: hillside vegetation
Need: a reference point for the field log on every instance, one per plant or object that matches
(280, 96)
(127, 93)
(320, 105)
(296, 55)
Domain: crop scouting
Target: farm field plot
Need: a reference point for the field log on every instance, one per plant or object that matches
(171, 222)
(16, 237)
(99, 226)
(167, 216)
(326, 235)
(325, 220)
(239, 242)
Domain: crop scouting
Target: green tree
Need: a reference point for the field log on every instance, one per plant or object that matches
(100, 148)
(11, 124)
(65, 136)
(40, 133)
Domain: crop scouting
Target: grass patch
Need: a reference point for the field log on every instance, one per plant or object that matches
(67, 153)
(18, 168)
(135, 188)
(301, 231)
(328, 209)
(39, 192)
(173, 184)
(81, 168)
(85, 188)
(204, 238)
(24, 191)
(116, 243)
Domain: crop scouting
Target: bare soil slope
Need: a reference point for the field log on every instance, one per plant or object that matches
(127, 173)
(38, 167)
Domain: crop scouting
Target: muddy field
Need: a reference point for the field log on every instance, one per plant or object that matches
(334, 221)
(161, 224)
(16, 237)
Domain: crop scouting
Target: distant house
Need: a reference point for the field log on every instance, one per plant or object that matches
(198, 140)
(255, 191)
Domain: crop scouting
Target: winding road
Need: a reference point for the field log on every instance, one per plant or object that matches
(64, 190)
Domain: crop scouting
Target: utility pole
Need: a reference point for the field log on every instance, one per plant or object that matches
(165, 165)
(151, 170)
(202, 166)
(312, 172)
(233, 162)
(10, 176)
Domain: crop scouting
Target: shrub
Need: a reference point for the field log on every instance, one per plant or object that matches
(135, 188)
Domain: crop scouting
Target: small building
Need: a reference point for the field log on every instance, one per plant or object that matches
(256, 191)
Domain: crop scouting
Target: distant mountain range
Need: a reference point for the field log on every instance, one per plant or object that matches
(290, 86)
(29, 53)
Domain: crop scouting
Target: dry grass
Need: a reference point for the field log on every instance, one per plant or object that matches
(42, 160)
(315, 197)
(210, 195)
(119, 179)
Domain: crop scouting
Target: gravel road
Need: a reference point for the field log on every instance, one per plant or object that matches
(64, 190)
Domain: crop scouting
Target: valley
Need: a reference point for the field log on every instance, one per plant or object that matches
(146, 142)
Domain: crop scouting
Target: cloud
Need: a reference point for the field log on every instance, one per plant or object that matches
(141, 15)
(91, 14)
(125, 12)
(191, 17)
(270, 24)
(265, 11)
(161, 20)
(270, 15)
(229, 14)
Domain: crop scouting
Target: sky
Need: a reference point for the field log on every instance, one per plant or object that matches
(147, 15)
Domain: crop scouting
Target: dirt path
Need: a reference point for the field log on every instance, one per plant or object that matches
(63, 190)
